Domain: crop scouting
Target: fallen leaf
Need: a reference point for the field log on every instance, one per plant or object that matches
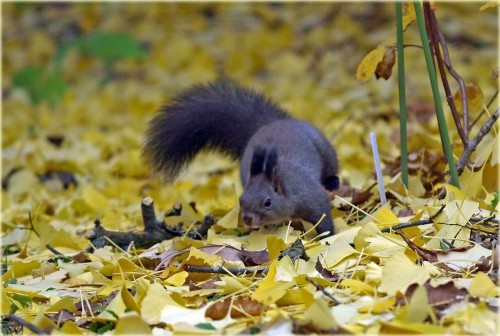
(399, 273)
(369, 64)
(384, 68)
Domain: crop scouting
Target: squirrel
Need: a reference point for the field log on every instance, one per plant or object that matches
(286, 163)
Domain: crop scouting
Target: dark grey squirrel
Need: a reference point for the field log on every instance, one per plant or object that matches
(286, 163)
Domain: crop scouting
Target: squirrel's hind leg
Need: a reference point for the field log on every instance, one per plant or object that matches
(313, 210)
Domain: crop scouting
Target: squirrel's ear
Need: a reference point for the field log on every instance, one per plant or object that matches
(271, 170)
(270, 166)
(278, 185)
(258, 161)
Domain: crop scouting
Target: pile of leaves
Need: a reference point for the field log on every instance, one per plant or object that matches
(80, 250)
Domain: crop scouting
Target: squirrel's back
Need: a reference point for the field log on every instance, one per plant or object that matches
(220, 116)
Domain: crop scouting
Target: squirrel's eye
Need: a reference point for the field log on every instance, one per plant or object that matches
(267, 202)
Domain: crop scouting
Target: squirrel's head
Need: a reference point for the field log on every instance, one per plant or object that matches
(264, 199)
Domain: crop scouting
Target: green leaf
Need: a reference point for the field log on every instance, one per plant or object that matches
(254, 331)
(99, 309)
(49, 89)
(109, 46)
(10, 282)
(39, 87)
(115, 315)
(107, 327)
(205, 326)
(494, 203)
(442, 245)
(27, 77)
(22, 299)
(100, 328)
(215, 297)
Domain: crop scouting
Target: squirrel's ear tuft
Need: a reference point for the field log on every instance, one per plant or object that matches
(264, 161)
(258, 159)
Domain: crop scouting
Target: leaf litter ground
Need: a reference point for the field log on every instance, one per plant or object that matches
(69, 160)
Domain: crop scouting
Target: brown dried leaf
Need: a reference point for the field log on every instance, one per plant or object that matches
(384, 68)
(358, 196)
(475, 99)
(241, 307)
(421, 111)
(327, 274)
(441, 296)
(254, 258)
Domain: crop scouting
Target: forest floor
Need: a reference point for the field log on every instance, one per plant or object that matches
(80, 82)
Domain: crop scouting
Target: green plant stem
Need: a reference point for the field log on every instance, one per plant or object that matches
(402, 93)
(443, 129)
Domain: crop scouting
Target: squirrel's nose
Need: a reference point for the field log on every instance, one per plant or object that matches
(247, 219)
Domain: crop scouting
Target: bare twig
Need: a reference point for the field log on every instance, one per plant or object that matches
(31, 224)
(466, 226)
(415, 223)
(323, 290)
(437, 38)
(406, 45)
(490, 219)
(53, 250)
(148, 214)
(58, 253)
(224, 270)
(484, 110)
(443, 127)
(202, 231)
(26, 324)
(454, 74)
(471, 147)
(175, 211)
(448, 243)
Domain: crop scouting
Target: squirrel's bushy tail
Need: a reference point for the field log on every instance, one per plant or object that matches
(220, 116)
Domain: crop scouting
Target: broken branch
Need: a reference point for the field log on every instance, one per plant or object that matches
(430, 220)
(471, 147)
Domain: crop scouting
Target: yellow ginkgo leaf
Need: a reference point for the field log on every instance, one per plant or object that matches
(274, 246)
(230, 220)
(131, 324)
(483, 286)
(269, 291)
(96, 200)
(369, 64)
(129, 300)
(409, 14)
(156, 299)
(68, 328)
(385, 216)
(418, 308)
(116, 307)
(65, 302)
(20, 269)
(178, 279)
(5, 304)
(320, 316)
(337, 251)
(399, 273)
(357, 286)
(379, 306)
